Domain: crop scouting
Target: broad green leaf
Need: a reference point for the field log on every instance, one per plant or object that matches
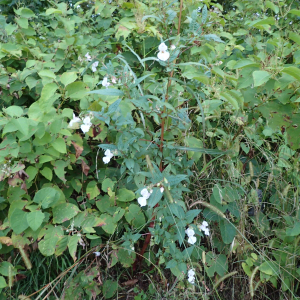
(59, 144)
(10, 28)
(35, 219)
(52, 10)
(261, 77)
(25, 12)
(14, 111)
(293, 231)
(109, 224)
(22, 22)
(295, 12)
(2, 283)
(72, 245)
(228, 231)
(76, 90)
(68, 77)
(48, 245)
(125, 195)
(135, 216)
(293, 71)
(47, 94)
(110, 287)
(228, 98)
(243, 63)
(47, 173)
(18, 221)
(47, 197)
(155, 197)
(294, 37)
(274, 7)
(92, 190)
(47, 73)
(107, 92)
(107, 183)
(64, 212)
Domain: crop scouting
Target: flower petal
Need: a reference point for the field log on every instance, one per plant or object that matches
(192, 240)
(142, 201)
(162, 47)
(163, 55)
(85, 128)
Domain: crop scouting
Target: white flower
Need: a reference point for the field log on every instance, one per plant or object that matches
(94, 66)
(108, 155)
(145, 196)
(85, 127)
(192, 240)
(114, 79)
(172, 47)
(162, 189)
(97, 253)
(88, 57)
(191, 276)
(74, 120)
(204, 227)
(145, 193)
(191, 280)
(163, 53)
(79, 58)
(142, 201)
(105, 82)
(190, 232)
(191, 273)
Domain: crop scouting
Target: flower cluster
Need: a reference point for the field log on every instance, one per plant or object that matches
(85, 127)
(108, 155)
(191, 276)
(163, 53)
(94, 66)
(191, 234)
(204, 227)
(145, 196)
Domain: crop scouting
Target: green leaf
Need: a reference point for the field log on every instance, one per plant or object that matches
(2, 282)
(47, 173)
(107, 183)
(14, 111)
(10, 28)
(228, 231)
(64, 212)
(274, 7)
(22, 22)
(59, 144)
(110, 287)
(109, 224)
(53, 235)
(47, 197)
(107, 92)
(260, 77)
(76, 90)
(243, 63)
(293, 71)
(35, 219)
(47, 73)
(25, 12)
(293, 231)
(18, 221)
(72, 245)
(295, 12)
(228, 98)
(52, 10)
(295, 37)
(68, 77)
(266, 268)
(135, 216)
(125, 195)
(47, 94)
(92, 190)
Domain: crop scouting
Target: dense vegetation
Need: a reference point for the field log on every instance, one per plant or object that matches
(149, 149)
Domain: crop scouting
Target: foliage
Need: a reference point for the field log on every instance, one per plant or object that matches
(108, 149)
